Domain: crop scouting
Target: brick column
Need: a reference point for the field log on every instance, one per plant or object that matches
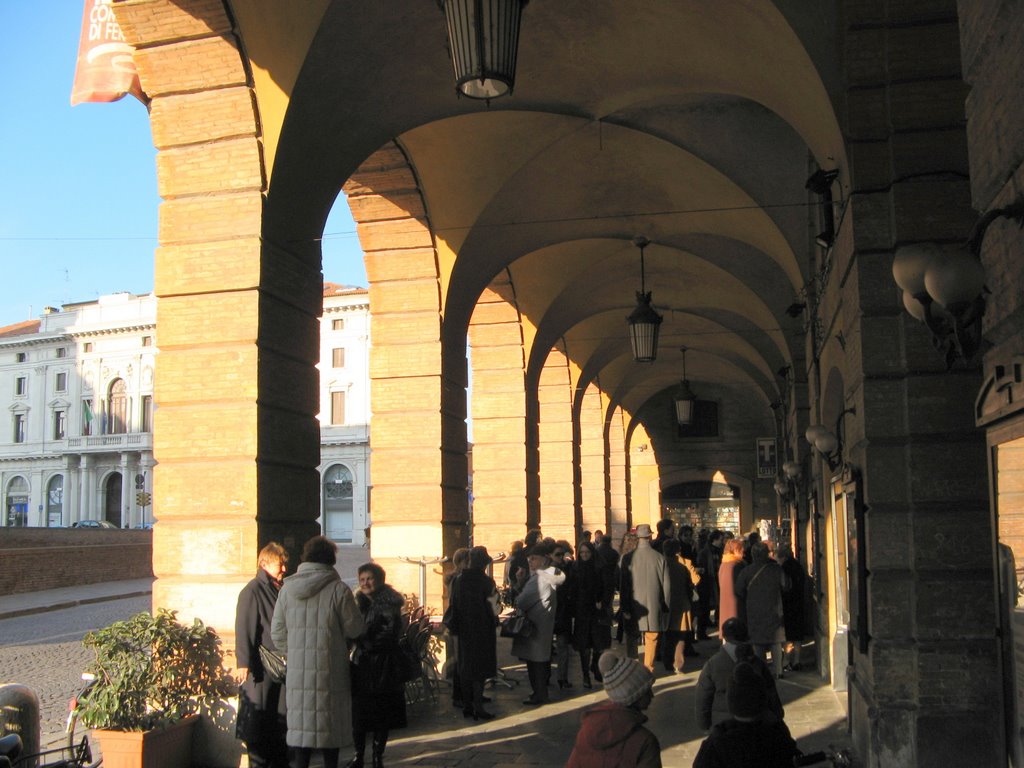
(618, 507)
(499, 420)
(593, 513)
(926, 691)
(419, 507)
(235, 435)
(555, 446)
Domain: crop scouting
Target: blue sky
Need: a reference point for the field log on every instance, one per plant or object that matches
(78, 193)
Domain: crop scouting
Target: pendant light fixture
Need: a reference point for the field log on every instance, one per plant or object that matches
(644, 322)
(685, 399)
(483, 37)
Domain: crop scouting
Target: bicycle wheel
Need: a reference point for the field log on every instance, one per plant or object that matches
(80, 745)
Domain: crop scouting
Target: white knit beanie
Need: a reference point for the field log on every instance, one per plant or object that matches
(625, 680)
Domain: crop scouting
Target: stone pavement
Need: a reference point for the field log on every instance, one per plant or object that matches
(438, 734)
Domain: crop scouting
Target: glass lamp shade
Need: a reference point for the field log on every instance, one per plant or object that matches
(826, 443)
(913, 306)
(684, 401)
(644, 324)
(910, 264)
(954, 279)
(814, 432)
(484, 39)
(781, 488)
(791, 469)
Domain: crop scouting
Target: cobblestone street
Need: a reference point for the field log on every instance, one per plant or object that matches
(44, 651)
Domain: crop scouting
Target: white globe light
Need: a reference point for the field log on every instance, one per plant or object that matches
(913, 306)
(826, 443)
(910, 264)
(954, 279)
(814, 432)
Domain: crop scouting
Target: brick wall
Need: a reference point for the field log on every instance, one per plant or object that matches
(48, 558)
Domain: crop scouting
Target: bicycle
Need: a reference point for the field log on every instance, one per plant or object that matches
(75, 753)
(838, 759)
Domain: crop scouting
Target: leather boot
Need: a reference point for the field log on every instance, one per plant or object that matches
(380, 740)
(359, 739)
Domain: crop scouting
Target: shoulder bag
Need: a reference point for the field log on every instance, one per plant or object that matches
(274, 664)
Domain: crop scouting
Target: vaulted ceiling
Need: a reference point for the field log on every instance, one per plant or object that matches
(692, 124)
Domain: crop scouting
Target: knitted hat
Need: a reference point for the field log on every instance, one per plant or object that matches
(643, 531)
(747, 692)
(734, 630)
(625, 680)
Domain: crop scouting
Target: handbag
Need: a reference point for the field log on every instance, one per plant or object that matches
(518, 624)
(275, 666)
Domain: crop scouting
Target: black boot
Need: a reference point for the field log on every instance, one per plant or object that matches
(380, 740)
(359, 741)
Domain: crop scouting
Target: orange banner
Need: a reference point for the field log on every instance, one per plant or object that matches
(105, 70)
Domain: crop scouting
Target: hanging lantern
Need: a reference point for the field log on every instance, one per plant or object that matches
(483, 36)
(644, 322)
(685, 399)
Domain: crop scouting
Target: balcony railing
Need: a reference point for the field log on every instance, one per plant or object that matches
(132, 441)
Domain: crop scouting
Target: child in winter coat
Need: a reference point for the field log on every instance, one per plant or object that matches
(613, 733)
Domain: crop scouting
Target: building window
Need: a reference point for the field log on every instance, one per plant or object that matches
(338, 357)
(62, 352)
(17, 502)
(337, 407)
(19, 427)
(87, 417)
(117, 407)
(338, 325)
(21, 357)
(147, 413)
(338, 506)
(21, 386)
(147, 341)
(62, 382)
(60, 424)
(87, 346)
(55, 502)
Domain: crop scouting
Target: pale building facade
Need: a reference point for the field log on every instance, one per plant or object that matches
(77, 387)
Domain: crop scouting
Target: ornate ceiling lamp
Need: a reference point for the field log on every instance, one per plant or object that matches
(483, 37)
(685, 399)
(644, 322)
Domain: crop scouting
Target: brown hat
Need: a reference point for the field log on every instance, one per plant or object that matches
(643, 531)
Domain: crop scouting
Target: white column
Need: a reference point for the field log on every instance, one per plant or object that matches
(85, 510)
(71, 498)
(127, 486)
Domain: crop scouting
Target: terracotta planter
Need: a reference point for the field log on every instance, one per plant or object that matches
(169, 747)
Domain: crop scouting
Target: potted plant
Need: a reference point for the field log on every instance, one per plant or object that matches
(153, 675)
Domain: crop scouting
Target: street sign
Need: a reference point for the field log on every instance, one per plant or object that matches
(140, 481)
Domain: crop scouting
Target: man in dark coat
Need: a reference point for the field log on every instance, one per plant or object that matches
(759, 587)
(474, 604)
(261, 702)
(747, 740)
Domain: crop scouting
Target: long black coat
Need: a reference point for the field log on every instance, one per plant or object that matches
(592, 626)
(260, 701)
(473, 622)
(378, 692)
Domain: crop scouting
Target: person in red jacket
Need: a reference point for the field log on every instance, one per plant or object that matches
(612, 734)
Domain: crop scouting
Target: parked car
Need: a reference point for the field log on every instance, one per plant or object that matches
(94, 524)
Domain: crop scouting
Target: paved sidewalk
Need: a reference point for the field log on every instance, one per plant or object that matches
(27, 603)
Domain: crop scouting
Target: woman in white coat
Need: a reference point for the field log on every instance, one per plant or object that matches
(315, 617)
(538, 601)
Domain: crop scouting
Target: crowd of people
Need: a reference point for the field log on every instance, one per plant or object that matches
(615, 614)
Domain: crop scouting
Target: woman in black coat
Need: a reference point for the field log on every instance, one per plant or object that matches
(592, 614)
(378, 689)
(474, 604)
(261, 703)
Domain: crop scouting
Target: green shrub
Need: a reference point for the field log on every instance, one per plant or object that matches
(152, 671)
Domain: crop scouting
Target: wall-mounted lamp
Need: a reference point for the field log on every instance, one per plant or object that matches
(944, 287)
(483, 37)
(829, 444)
(685, 399)
(791, 470)
(820, 183)
(644, 322)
